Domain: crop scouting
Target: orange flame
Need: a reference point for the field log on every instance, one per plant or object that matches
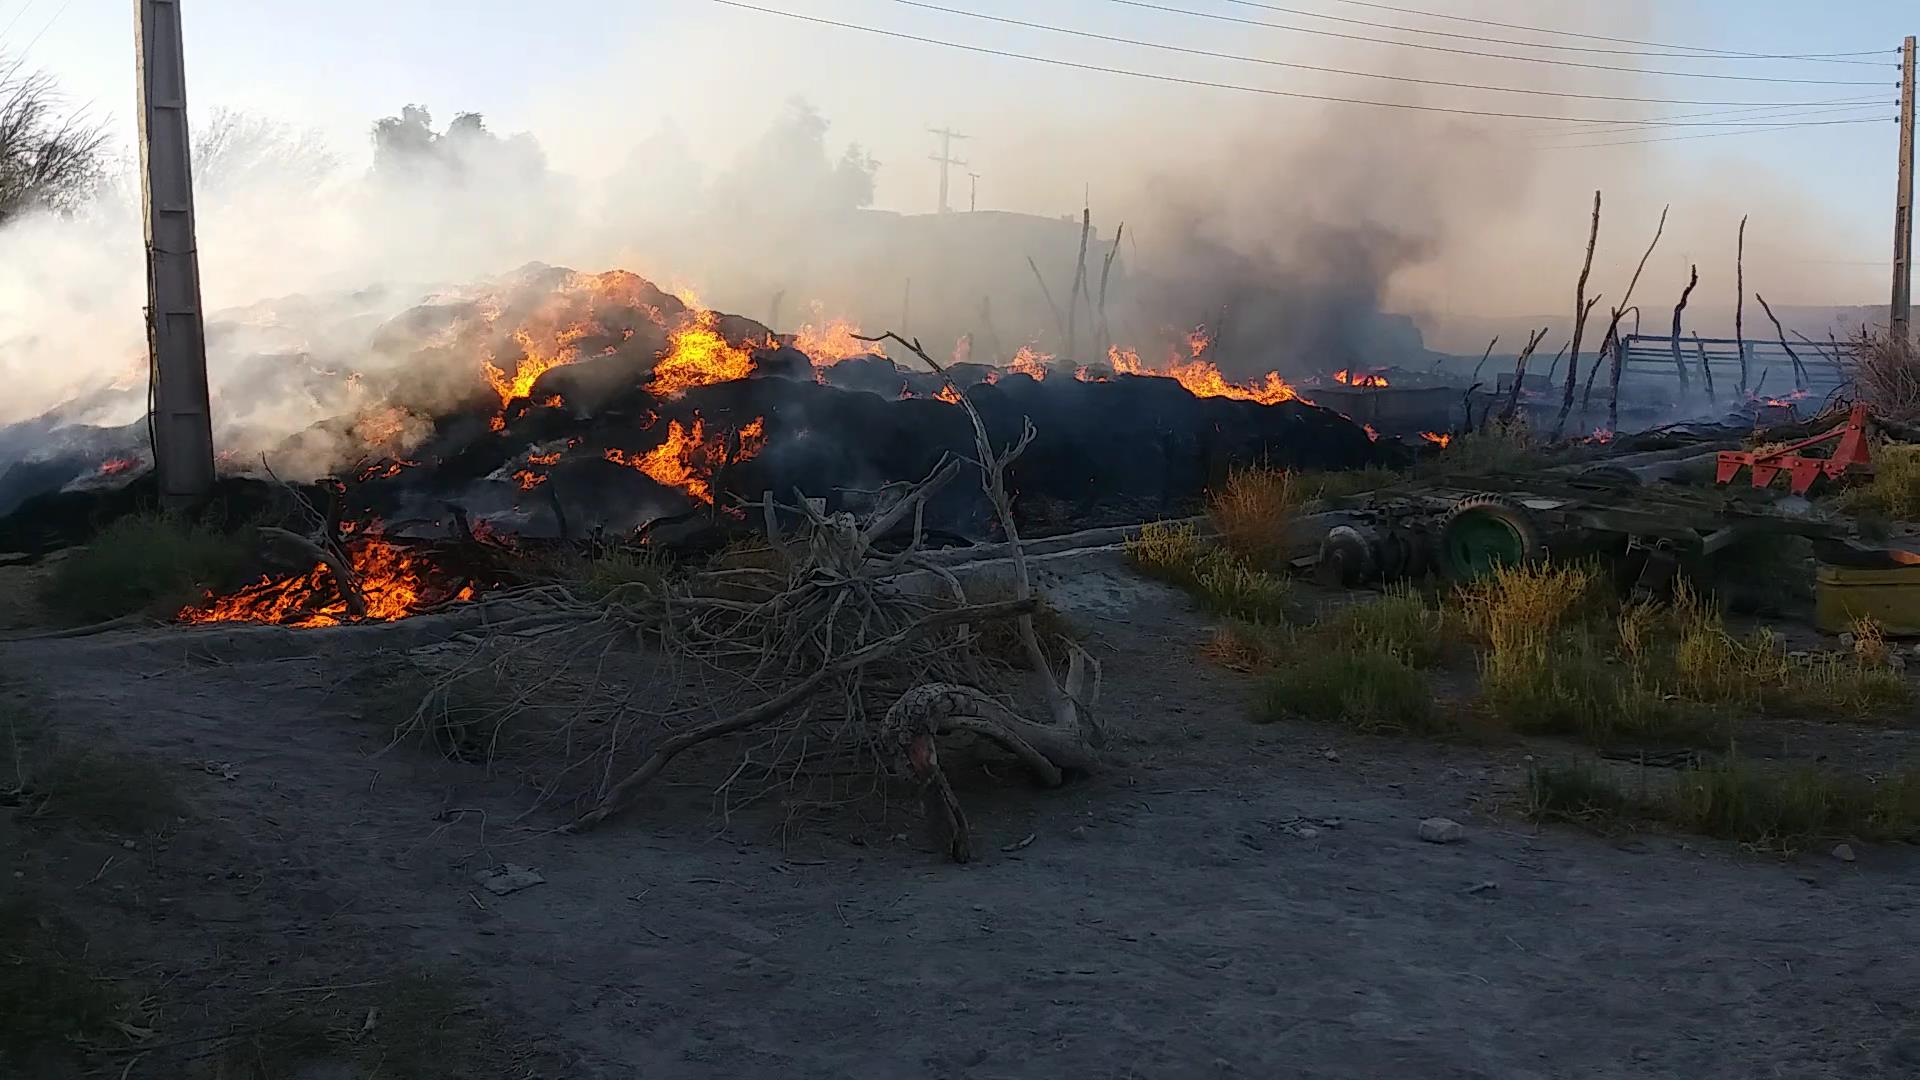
(1029, 361)
(948, 394)
(1364, 379)
(116, 466)
(686, 460)
(394, 582)
(829, 343)
(698, 355)
(1199, 375)
(1438, 438)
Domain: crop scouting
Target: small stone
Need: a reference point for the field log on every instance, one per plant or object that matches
(1843, 852)
(1439, 830)
(128, 844)
(1079, 832)
(1330, 754)
(1306, 832)
(508, 878)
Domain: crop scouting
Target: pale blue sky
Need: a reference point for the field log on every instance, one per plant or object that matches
(589, 75)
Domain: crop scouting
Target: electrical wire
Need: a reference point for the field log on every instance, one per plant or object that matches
(1264, 91)
(1732, 54)
(1163, 46)
(1710, 134)
(1761, 115)
(1492, 55)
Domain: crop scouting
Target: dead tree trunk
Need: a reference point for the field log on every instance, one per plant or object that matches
(1106, 271)
(1706, 369)
(1799, 369)
(1520, 375)
(1059, 322)
(1679, 367)
(1740, 303)
(993, 336)
(1612, 339)
(1079, 280)
(1483, 359)
(1581, 305)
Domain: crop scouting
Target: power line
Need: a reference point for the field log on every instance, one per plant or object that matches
(1261, 90)
(1711, 134)
(1765, 116)
(1732, 54)
(1492, 55)
(44, 29)
(22, 10)
(1329, 70)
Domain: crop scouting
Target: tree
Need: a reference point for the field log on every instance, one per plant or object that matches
(46, 160)
(789, 168)
(235, 151)
(406, 147)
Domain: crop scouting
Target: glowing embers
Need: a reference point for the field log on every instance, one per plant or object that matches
(394, 582)
(687, 458)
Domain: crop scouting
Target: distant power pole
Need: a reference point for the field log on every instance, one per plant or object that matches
(945, 158)
(181, 421)
(973, 192)
(1900, 319)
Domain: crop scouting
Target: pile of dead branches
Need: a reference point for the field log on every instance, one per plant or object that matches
(819, 653)
(1887, 373)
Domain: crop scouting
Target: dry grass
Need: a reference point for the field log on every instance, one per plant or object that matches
(1561, 657)
(148, 563)
(600, 574)
(1783, 810)
(1887, 371)
(1254, 511)
(60, 781)
(1369, 690)
(1894, 492)
(1224, 583)
(1493, 448)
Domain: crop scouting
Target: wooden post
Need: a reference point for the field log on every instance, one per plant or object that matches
(1899, 319)
(181, 421)
(1740, 302)
(1581, 306)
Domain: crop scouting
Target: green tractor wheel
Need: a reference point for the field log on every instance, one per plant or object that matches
(1485, 532)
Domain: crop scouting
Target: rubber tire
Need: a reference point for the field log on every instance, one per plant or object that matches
(1346, 559)
(1474, 525)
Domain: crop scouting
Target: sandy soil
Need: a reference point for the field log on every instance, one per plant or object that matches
(1226, 900)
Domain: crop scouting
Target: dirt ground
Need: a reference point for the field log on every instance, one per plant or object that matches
(1228, 899)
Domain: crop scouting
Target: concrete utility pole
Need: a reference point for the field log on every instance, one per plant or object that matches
(973, 192)
(1899, 321)
(945, 158)
(181, 420)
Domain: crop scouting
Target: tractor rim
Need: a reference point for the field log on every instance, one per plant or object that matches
(1481, 543)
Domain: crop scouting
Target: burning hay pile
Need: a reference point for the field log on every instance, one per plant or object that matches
(823, 658)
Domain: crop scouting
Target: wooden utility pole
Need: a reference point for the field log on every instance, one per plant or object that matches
(945, 158)
(181, 421)
(973, 192)
(1899, 319)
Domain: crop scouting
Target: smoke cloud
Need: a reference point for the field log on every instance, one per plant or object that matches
(779, 170)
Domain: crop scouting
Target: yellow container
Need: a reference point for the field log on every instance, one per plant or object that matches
(1891, 598)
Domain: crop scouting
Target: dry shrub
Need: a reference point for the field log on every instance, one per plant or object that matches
(1400, 622)
(1243, 647)
(152, 563)
(1894, 492)
(1224, 583)
(1887, 372)
(1783, 810)
(1367, 690)
(1254, 512)
(597, 575)
(1495, 447)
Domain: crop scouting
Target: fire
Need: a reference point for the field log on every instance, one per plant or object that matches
(116, 466)
(551, 337)
(553, 402)
(1199, 375)
(528, 479)
(1372, 435)
(1438, 438)
(382, 470)
(830, 343)
(949, 395)
(1030, 362)
(698, 355)
(1363, 378)
(394, 582)
(687, 460)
